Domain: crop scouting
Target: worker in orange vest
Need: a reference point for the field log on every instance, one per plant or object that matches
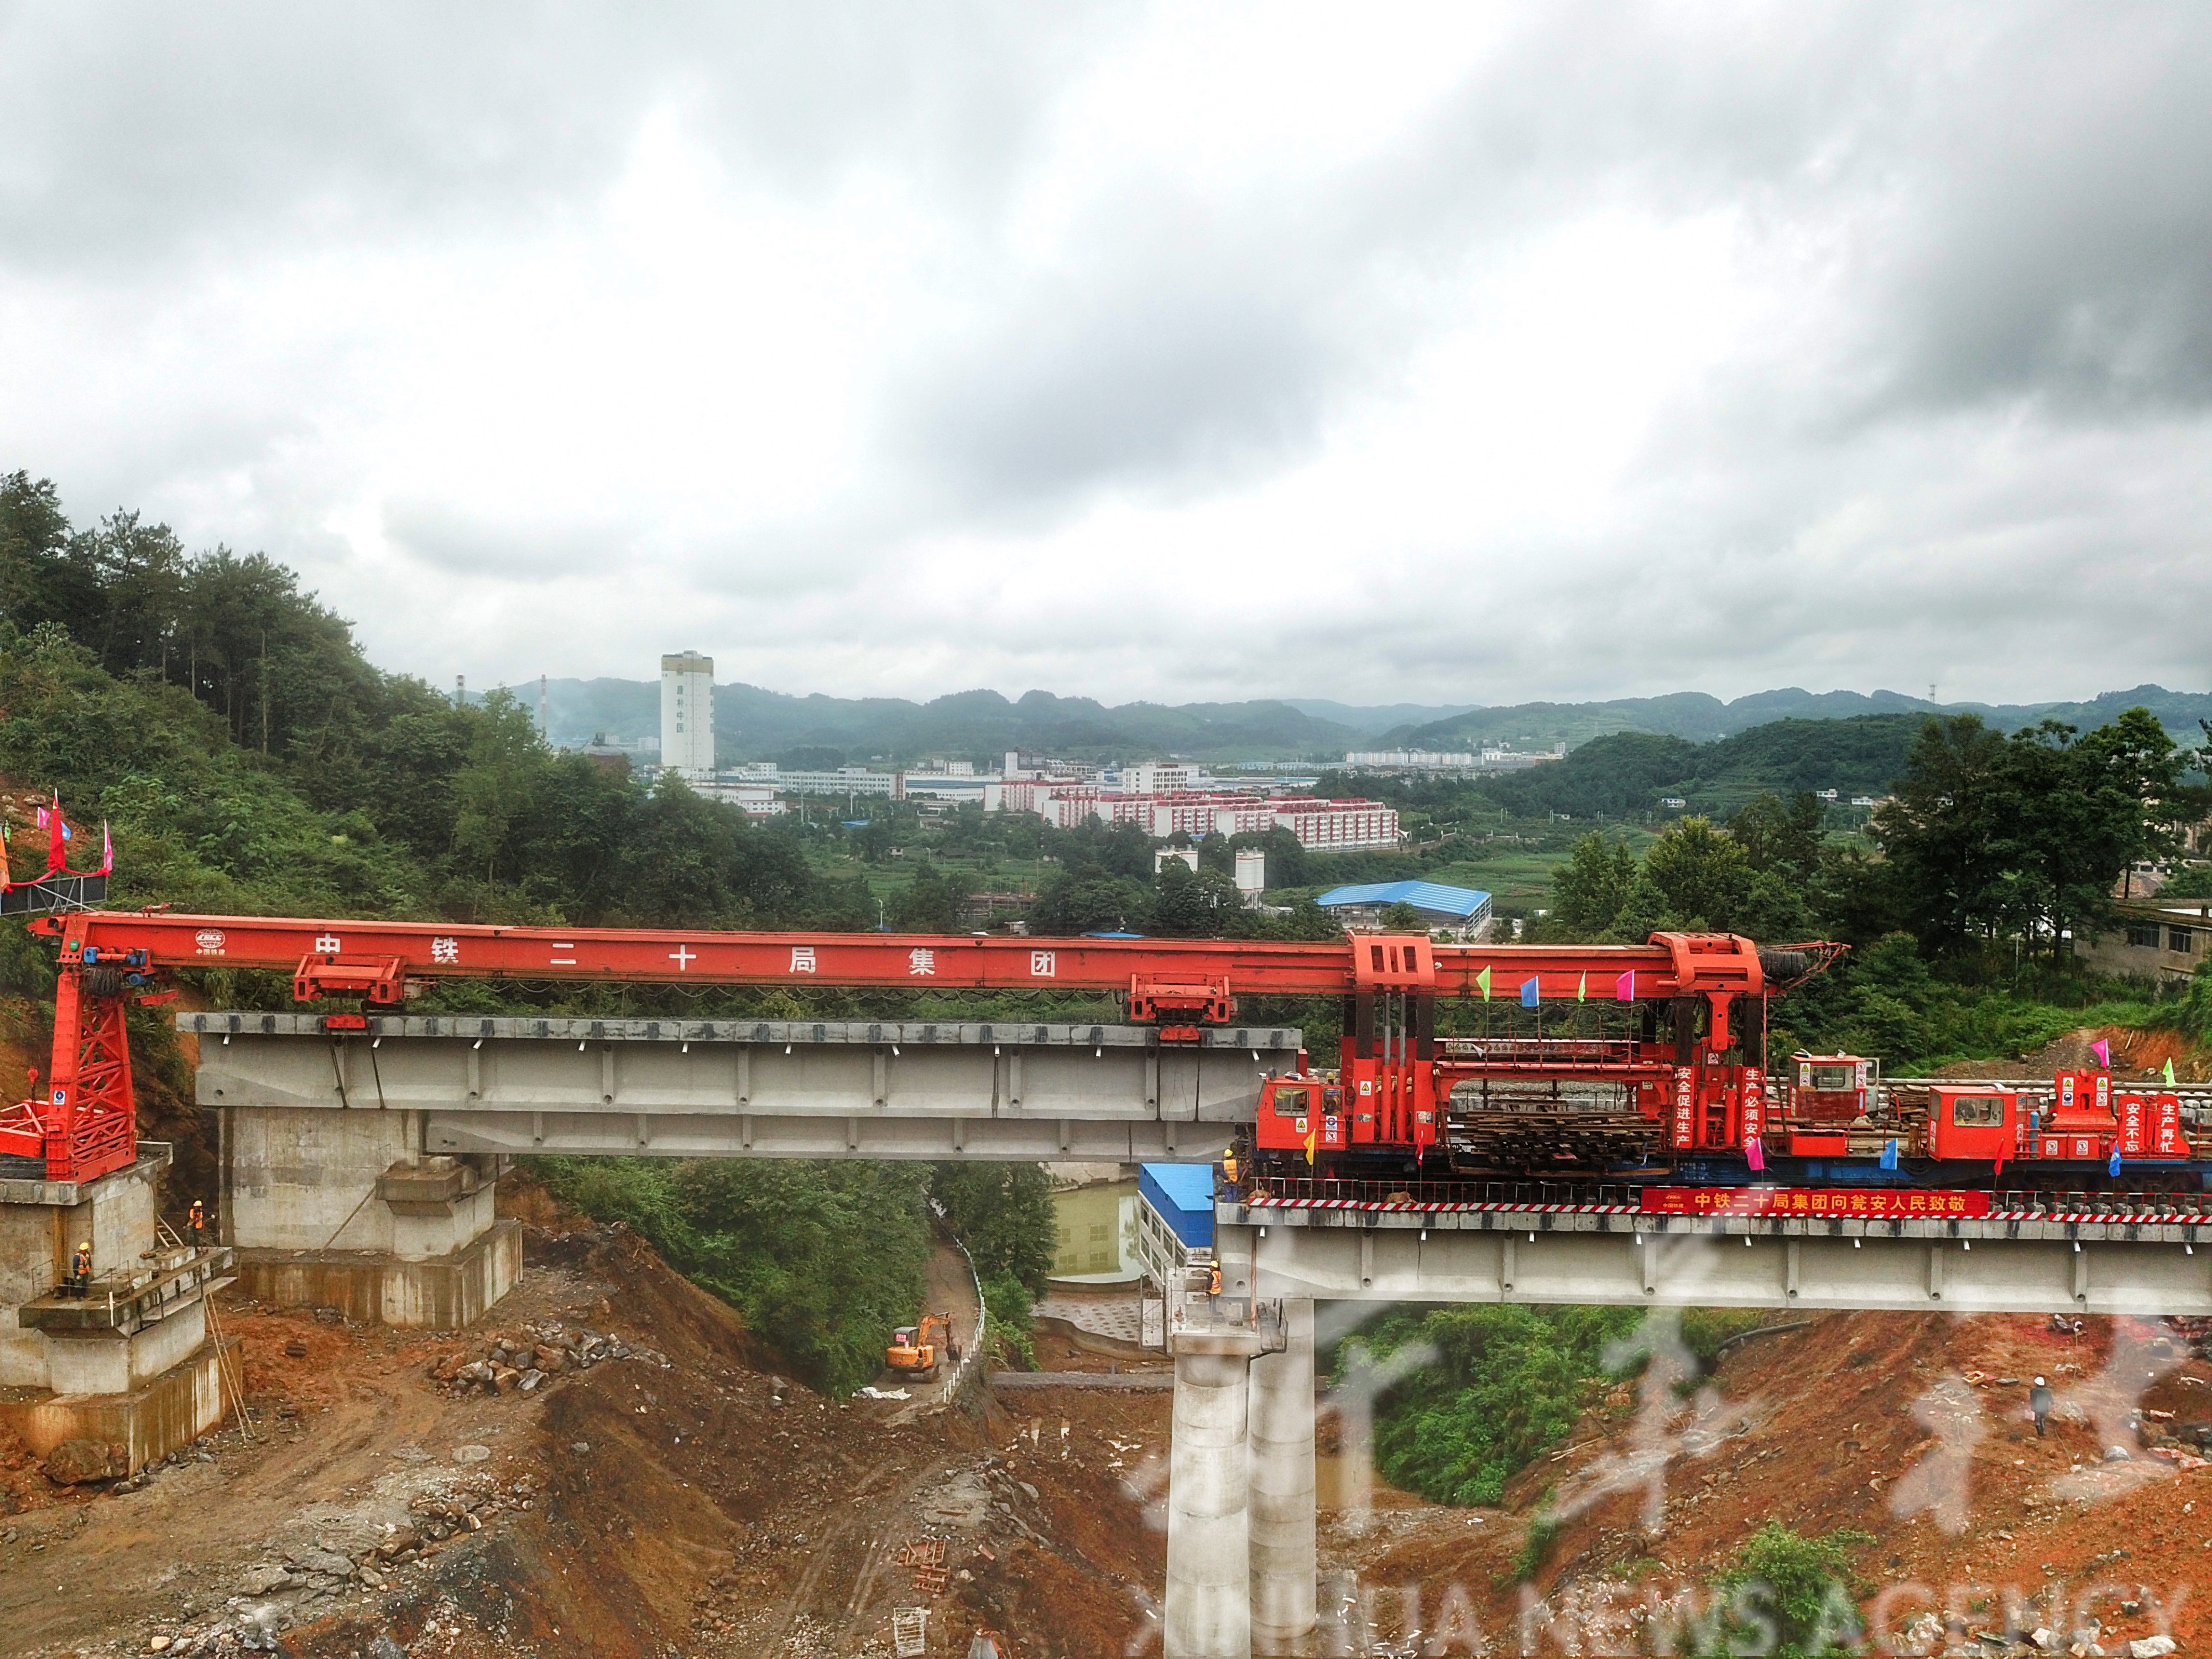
(196, 1227)
(79, 1274)
(1229, 1169)
(1213, 1286)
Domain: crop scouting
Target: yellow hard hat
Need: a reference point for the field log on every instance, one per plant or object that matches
(84, 1244)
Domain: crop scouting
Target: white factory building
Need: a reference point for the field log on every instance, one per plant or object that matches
(687, 716)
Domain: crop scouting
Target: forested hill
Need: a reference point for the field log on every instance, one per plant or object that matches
(1626, 773)
(250, 758)
(1701, 719)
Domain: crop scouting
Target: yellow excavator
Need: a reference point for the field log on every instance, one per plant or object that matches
(916, 1350)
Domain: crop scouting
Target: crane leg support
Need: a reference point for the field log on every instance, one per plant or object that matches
(1284, 1554)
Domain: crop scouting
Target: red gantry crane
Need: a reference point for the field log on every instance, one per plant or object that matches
(84, 1122)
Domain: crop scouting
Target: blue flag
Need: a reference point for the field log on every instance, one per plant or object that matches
(1529, 997)
(2113, 1168)
(1889, 1154)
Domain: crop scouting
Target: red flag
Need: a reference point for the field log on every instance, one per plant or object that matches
(57, 853)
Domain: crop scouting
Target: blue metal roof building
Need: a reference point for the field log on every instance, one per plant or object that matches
(1181, 1194)
(1464, 910)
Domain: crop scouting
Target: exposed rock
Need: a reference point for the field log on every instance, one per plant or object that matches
(261, 1580)
(312, 1558)
(2151, 1647)
(471, 1454)
(74, 1462)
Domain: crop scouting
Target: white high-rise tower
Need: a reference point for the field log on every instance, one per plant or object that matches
(686, 715)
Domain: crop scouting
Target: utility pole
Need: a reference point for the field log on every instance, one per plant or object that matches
(265, 690)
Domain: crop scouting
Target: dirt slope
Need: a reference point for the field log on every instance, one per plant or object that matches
(684, 1498)
(1912, 1429)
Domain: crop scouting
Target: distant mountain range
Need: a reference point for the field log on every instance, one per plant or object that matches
(1702, 718)
(751, 723)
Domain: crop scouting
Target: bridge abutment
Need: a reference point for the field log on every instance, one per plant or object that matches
(126, 1359)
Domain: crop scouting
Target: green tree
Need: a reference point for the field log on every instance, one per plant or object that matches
(2084, 811)
(930, 903)
(1091, 902)
(822, 1259)
(2192, 881)
(1590, 889)
(1803, 1585)
(1506, 1384)
(1704, 872)
(1003, 1213)
(1399, 917)
(1781, 839)
(1946, 831)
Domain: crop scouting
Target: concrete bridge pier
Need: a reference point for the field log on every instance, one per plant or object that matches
(346, 1209)
(1208, 1613)
(1284, 1555)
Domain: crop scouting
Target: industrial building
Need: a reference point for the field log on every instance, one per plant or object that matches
(687, 716)
(1462, 912)
(2151, 939)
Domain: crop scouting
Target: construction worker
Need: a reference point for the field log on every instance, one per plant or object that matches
(2039, 1401)
(196, 1226)
(1213, 1286)
(80, 1273)
(1229, 1170)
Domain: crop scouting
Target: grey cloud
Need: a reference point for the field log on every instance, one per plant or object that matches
(131, 134)
(1127, 375)
(470, 544)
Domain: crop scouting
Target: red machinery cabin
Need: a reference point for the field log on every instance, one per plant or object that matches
(2078, 1125)
(1973, 1124)
(1830, 1089)
(1294, 1110)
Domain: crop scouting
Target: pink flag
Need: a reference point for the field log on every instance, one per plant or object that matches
(2102, 1050)
(1754, 1154)
(107, 852)
(1624, 988)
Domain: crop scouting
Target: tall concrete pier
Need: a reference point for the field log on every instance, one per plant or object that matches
(1284, 1559)
(1208, 1613)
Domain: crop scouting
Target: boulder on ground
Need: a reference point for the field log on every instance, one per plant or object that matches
(74, 1462)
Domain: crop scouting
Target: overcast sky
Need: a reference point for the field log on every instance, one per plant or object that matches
(1471, 355)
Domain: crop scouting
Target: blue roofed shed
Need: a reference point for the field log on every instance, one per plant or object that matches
(1463, 911)
(1183, 1196)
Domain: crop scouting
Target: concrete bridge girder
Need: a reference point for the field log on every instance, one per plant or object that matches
(574, 1069)
(2146, 1270)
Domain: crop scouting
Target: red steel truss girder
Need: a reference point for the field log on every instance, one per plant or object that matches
(1716, 966)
